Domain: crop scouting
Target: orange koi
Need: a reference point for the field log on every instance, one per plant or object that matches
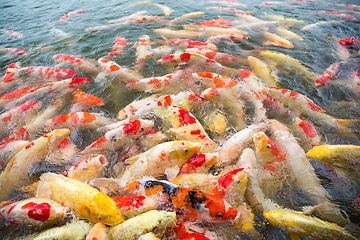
(350, 41)
(131, 205)
(187, 43)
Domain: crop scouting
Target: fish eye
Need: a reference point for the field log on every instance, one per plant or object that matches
(219, 214)
(185, 150)
(142, 129)
(99, 218)
(268, 146)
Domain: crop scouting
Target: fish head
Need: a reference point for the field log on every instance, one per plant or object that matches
(266, 148)
(218, 209)
(180, 116)
(185, 149)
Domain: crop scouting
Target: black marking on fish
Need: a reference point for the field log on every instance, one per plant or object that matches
(168, 190)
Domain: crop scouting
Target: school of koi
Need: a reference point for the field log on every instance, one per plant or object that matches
(213, 149)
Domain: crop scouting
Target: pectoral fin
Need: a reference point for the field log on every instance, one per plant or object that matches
(172, 172)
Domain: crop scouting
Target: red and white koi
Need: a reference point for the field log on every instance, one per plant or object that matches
(211, 31)
(26, 158)
(222, 58)
(199, 163)
(329, 74)
(158, 84)
(275, 3)
(227, 38)
(12, 33)
(10, 76)
(350, 41)
(142, 47)
(48, 73)
(185, 17)
(353, 6)
(79, 120)
(78, 63)
(70, 14)
(118, 137)
(187, 127)
(218, 22)
(148, 19)
(23, 94)
(15, 117)
(114, 70)
(336, 14)
(188, 43)
(84, 101)
(118, 47)
(241, 14)
(88, 168)
(142, 107)
(306, 133)
(32, 212)
(9, 150)
(12, 51)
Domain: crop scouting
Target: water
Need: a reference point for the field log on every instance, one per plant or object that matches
(44, 36)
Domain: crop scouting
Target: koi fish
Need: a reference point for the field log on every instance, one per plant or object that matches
(105, 27)
(86, 201)
(11, 75)
(142, 47)
(15, 117)
(329, 74)
(12, 33)
(118, 47)
(187, 43)
(222, 58)
(318, 24)
(276, 40)
(9, 150)
(168, 33)
(84, 101)
(185, 17)
(192, 231)
(305, 178)
(306, 132)
(300, 225)
(132, 205)
(199, 163)
(288, 34)
(12, 51)
(344, 156)
(148, 19)
(149, 236)
(165, 158)
(187, 127)
(98, 231)
(76, 230)
(70, 14)
(166, 10)
(48, 73)
(190, 204)
(124, 19)
(79, 120)
(223, 30)
(34, 212)
(26, 158)
(88, 168)
(227, 38)
(336, 14)
(262, 70)
(119, 136)
(350, 41)
(286, 22)
(114, 70)
(158, 84)
(241, 14)
(216, 122)
(151, 221)
(78, 63)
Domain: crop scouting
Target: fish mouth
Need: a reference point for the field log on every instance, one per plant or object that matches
(258, 136)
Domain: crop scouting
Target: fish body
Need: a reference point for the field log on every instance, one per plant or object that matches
(70, 14)
(119, 136)
(114, 70)
(288, 34)
(166, 10)
(188, 43)
(300, 225)
(199, 163)
(227, 38)
(9, 150)
(133, 228)
(78, 63)
(79, 120)
(119, 46)
(11, 74)
(306, 132)
(12, 33)
(12, 51)
(124, 19)
(276, 40)
(48, 73)
(317, 25)
(350, 41)
(185, 17)
(88, 168)
(262, 70)
(143, 46)
(169, 33)
(86, 201)
(148, 19)
(222, 58)
(329, 74)
(84, 101)
(34, 212)
(26, 158)
(187, 127)
(336, 14)
(165, 158)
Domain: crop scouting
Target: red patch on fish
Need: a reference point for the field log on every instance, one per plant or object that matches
(245, 73)
(224, 182)
(185, 57)
(309, 130)
(195, 132)
(169, 58)
(197, 236)
(132, 128)
(185, 117)
(60, 119)
(313, 106)
(29, 145)
(39, 212)
(193, 164)
(210, 54)
(194, 97)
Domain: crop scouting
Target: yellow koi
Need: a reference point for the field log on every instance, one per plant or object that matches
(262, 70)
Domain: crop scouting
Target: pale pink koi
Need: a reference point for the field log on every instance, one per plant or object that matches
(12, 50)
(148, 19)
(223, 30)
(187, 43)
(337, 14)
(12, 33)
(222, 58)
(118, 47)
(78, 63)
(70, 14)
(227, 38)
